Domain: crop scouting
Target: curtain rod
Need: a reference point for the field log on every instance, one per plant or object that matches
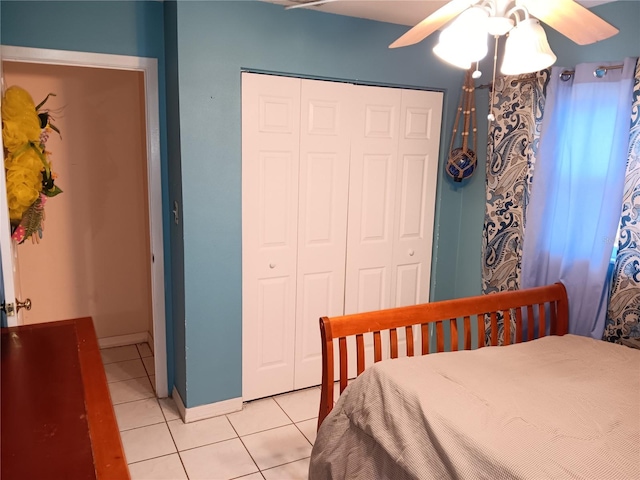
(599, 72)
(609, 67)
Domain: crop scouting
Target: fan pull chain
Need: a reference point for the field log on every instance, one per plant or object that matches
(491, 117)
(473, 118)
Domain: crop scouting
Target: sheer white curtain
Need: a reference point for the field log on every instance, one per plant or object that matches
(577, 191)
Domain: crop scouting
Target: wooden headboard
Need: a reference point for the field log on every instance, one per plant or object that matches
(538, 303)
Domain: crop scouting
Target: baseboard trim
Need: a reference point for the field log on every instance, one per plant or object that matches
(209, 410)
(121, 340)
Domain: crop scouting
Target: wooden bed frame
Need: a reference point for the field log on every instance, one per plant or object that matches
(551, 299)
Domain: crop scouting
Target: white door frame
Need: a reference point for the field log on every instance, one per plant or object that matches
(149, 67)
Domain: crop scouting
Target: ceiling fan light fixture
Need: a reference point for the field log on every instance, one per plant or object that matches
(464, 41)
(448, 52)
(527, 49)
(499, 26)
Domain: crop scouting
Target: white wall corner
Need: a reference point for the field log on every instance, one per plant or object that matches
(209, 410)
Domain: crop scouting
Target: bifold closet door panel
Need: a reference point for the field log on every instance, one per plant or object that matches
(418, 149)
(372, 194)
(417, 170)
(326, 116)
(270, 153)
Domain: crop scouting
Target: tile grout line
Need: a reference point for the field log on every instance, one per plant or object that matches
(305, 437)
(288, 463)
(184, 467)
(289, 417)
(152, 458)
(242, 476)
(144, 426)
(244, 446)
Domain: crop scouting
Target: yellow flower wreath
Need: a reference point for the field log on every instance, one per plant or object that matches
(20, 119)
(28, 172)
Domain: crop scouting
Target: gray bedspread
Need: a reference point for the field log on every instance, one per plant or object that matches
(557, 407)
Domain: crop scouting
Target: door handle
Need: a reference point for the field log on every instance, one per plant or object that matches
(26, 304)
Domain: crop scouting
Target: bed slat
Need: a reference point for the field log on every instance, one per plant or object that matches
(507, 327)
(360, 353)
(342, 347)
(453, 325)
(541, 321)
(377, 347)
(408, 332)
(439, 337)
(494, 328)
(481, 330)
(466, 321)
(518, 324)
(530, 322)
(424, 334)
(393, 337)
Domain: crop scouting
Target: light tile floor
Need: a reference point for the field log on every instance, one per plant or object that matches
(269, 439)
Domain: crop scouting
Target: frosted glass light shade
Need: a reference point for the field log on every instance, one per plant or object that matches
(465, 40)
(527, 49)
(451, 51)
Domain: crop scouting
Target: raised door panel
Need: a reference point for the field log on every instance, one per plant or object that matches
(270, 159)
(326, 111)
(372, 198)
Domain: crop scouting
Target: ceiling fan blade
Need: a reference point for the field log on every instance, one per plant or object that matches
(571, 19)
(433, 22)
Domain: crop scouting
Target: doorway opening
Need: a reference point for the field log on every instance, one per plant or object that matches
(101, 254)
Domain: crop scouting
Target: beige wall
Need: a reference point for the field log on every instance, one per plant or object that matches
(94, 257)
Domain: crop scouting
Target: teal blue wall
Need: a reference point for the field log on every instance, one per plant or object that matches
(115, 27)
(216, 40)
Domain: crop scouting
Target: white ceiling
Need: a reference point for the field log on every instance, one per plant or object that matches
(402, 12)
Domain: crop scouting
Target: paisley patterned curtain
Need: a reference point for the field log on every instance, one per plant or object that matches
(623, 315)
(511, 154)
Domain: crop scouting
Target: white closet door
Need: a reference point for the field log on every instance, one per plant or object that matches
(418, 149)
(270, 157)
(372, 193)
(416, 186)
(325, 132)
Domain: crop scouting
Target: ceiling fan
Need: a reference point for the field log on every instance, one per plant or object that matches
(470, 22)
(566, 16)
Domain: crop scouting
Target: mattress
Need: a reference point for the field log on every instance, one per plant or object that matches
(556, 407)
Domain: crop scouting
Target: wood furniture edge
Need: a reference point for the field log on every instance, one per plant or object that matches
(348, 325)
(108, 453)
